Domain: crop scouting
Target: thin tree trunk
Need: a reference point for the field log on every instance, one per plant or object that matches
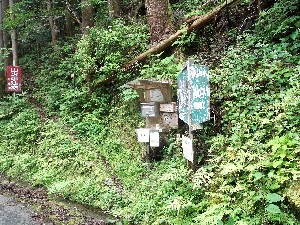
(14, 45)
(88, 22)
(2, 72)
(6, 36)
(1, 24)
(52, 23)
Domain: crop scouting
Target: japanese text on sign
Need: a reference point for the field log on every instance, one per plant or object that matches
(14, 74)
(193, 95)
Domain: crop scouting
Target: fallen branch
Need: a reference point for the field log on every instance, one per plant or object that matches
(73, 12)
(196, 24)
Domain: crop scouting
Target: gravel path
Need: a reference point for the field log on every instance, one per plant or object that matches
(21, 204)
(14, 213)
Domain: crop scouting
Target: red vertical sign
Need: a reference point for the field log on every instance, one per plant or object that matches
(14, 76)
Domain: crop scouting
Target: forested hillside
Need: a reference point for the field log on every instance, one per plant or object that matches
(72, 128)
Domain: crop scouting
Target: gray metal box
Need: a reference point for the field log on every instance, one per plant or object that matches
(150, 109)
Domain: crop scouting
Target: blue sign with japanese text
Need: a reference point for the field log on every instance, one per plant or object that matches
(194, 95)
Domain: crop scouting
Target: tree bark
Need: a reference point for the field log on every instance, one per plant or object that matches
(6, 36)
(73, 12)
(13, 35)
(2, 72)
(160, 17)
(1, 24)
(52, 23)
(69, 21)
(69, 25)
(88, 22)
(87, 16)
(199, 22)
(114, 8)
(5, 6)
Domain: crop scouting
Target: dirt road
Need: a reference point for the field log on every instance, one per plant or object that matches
(21, 204)
(14, 213)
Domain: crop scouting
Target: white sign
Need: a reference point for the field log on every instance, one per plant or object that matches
(154, 138)
(156, 95)
(143, 135)
(187, 147)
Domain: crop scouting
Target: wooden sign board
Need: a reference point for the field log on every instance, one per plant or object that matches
(169, 120)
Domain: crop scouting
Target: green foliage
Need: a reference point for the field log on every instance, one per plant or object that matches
(194, 7)
(256, 157)
(3, 55)
(84, 148)
(105, 50)
(164, 69)
(280, 22)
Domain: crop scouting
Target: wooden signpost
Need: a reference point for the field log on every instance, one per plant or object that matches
(193, 102)
(162, 114)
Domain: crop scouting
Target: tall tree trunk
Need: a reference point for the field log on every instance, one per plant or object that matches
(52, 23)
(2, 72)
(87, 16)
(6, 37)
(1, 24)
(88, 22)
(5, 34)
(70, 17)
(13, 35)
(69, 25)
(114, 8)
(160, 20)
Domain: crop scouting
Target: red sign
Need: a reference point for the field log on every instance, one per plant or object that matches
(14, 76)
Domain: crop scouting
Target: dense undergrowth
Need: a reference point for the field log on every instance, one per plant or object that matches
(84, 147)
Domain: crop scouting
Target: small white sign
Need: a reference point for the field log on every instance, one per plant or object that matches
(143, 135)
(187, 147)
(154, 138)
(156, 95)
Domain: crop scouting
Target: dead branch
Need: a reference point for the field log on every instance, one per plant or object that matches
(71, 10)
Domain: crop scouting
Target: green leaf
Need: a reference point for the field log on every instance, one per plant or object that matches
(258, 175)
(230, 221)
(274, 186)
(277, 163)
(257, 197)
(270, 174)
(273, 209)
(273, 197)
(220, 222)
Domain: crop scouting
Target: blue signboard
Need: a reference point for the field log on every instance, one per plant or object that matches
(183, 96)
(193, 95)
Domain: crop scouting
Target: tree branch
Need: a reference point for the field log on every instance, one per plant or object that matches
(199, 22)
(71, 10)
